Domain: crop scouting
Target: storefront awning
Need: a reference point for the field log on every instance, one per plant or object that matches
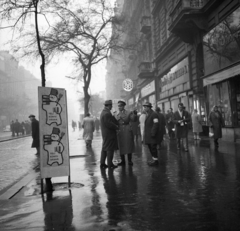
(223, 75)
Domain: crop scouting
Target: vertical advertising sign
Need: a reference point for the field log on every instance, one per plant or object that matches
(54, 142)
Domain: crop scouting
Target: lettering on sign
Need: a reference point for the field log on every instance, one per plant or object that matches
(148, 89)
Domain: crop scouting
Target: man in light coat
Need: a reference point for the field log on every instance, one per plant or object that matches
(89, 127)
(151, 132)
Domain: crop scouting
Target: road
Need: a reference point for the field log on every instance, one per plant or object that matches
(17, 158)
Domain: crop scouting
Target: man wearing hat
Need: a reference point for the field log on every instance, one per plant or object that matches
(151, 132)
(109, 129)
(125, 135)
(181, 118)
(35, 133)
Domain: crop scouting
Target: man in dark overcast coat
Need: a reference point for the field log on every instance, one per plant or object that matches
(109, 129)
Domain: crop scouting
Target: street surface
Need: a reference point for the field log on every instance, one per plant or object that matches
(199, 190)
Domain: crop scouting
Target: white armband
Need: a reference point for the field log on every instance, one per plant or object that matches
(155, 120)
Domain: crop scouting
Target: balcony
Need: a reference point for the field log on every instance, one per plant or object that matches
(145, 24)
(145, 70)
(187, 17)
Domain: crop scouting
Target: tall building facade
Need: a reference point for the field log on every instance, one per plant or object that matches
(187, 51)
(18, 91)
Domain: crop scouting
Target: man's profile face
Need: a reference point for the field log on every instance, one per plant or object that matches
(180, 107)
(146, 108)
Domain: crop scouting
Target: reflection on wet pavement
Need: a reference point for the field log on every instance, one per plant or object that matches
(198, 190)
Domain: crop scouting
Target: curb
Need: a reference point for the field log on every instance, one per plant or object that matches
(8, 139)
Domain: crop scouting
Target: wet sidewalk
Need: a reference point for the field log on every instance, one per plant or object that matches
(198, 190)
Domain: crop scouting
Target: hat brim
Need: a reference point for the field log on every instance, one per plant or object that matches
(147, 105)
(31, 116)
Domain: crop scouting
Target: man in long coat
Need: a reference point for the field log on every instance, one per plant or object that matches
(181, 118)
(170, 124)
(125, 134)
(109, 129)
(35, 133)
(162, 125)
(88, 129)
(151, 132)
(217, 123)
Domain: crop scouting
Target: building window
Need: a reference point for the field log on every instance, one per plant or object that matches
(218, 94)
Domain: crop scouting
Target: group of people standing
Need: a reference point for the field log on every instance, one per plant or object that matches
(117, 132)
(18, 128)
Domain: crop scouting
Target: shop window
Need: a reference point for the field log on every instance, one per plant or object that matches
(218, 94)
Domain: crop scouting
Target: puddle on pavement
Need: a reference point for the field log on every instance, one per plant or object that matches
(34, 190)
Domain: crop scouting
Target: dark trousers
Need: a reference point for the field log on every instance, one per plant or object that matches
(129, 157)
(153, 150)
(185, 142)
(107, 155)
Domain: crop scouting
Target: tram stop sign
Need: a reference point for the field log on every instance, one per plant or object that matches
(127, 84)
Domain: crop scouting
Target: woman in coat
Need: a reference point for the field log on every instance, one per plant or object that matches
(196, 124)
(125, 135)
(216, 122)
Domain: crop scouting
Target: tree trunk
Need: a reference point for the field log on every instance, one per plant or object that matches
(86, 100)
(42, 66)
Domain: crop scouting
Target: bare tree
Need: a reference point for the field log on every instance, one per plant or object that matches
(16, 15)
(83, 29)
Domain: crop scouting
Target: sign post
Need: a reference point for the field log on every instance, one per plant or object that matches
(54, 142)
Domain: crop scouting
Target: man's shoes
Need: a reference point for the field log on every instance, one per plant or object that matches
(186, 150)
(103, 166)
(153, 163)
(130, 163)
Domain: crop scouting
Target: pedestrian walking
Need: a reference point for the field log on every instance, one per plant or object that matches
(196, 124)
(88, 129)
(181, 118)
(109, 128)
(22, 128)
(97, 124)
(216, 123)
(73, 125)
(170, 124)
(162, 126)
(142, 119)
(125, 134)
(79, 125)
(151, 128)
(35, 133)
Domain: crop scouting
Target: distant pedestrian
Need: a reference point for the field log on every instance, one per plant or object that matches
(12, 126)
(17, 127)
(142, 119)
(162, 126)
(22, 128)
(216, 123)
(97, 124)
(196, 124)
(135, 127)
(88, 129)
(170, 124)
(79, 125)
(181, 118)
(109, 128)
(73, 125)
(35, 133)
(125, 134)
(151, 129)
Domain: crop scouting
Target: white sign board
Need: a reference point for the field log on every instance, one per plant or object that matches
(53, 122)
